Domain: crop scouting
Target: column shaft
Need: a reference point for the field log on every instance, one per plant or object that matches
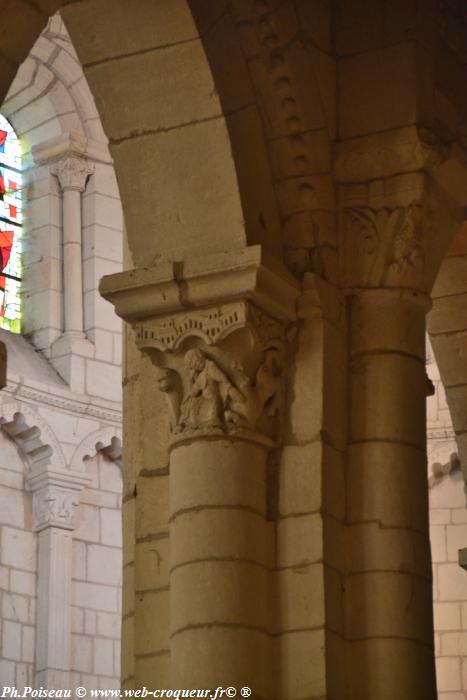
(388, 590)
(72, 266)
(221, 555)
(54, 608)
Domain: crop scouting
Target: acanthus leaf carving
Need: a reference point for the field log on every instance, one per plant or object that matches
(384, 247)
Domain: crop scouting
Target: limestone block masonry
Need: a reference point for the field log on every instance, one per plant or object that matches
(293, 176)
(216, 335)
(448, 535)
(60, 411)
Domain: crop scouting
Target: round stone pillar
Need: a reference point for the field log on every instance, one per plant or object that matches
(214, 329)
(389, 586)
(221, 557)
(225, 401)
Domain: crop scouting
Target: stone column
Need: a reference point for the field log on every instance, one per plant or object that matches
(55, 495)
(398, 212)
(389, 587)
(72, 173)
(389, 619)
(222, 549)
(215, 331)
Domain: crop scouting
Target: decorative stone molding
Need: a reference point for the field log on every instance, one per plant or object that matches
(32, 435)
(214, 328)
(53, 507)
(211, 325)
(55, 495)
(383, 247)
(439, 471)
(73, 143)
(113, 450)
(388, 153)
(17, 388)
(172, 287)
(72, 173)
(108, 441)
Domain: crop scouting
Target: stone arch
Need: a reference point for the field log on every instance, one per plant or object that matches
(256, 150)
(265, 135)
(51, 83)
(107, 441)
(32, 434)
(48, 96)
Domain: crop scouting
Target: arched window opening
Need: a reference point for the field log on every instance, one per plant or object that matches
(10, 227)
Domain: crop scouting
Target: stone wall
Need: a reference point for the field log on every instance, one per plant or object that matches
(40, 416)
(97, 579)
(60, 413)
(234, 126)
(52, 110)
(448, 532)
(18, 568)
(96, 592)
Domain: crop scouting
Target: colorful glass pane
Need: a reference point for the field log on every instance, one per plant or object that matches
(11, 221)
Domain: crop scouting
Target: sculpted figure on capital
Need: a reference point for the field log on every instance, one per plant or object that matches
(209, 393)
(219, 396)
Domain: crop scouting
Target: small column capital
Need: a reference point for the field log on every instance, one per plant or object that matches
(72, 172)
(55, 494)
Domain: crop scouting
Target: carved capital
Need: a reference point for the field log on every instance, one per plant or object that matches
(72, 173)
(384, 247)
(230, 383)
(215, 331)
(53, 507)
(55, 494)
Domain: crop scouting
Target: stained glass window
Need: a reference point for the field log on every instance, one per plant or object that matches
(10, 228)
